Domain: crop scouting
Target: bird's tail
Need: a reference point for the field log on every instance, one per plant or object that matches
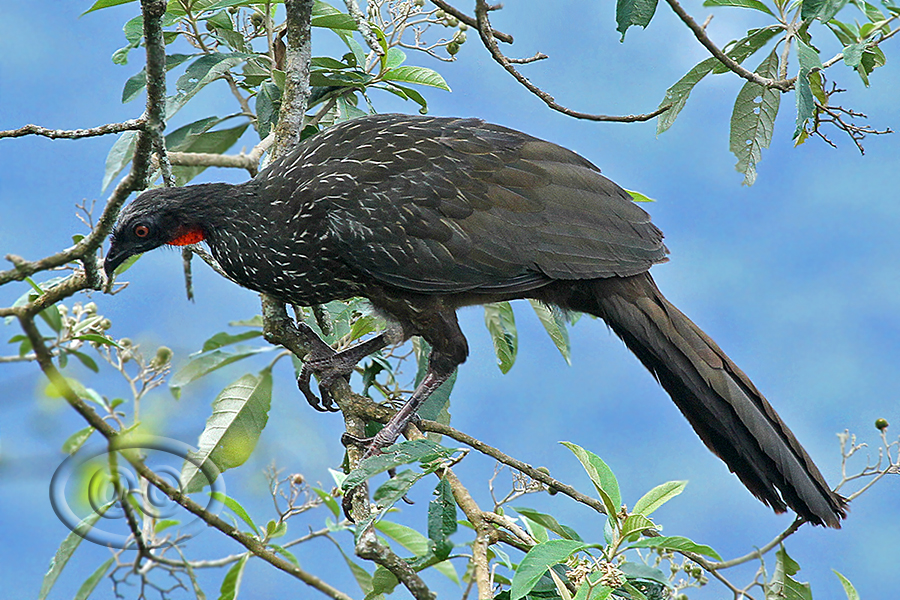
(726, 410)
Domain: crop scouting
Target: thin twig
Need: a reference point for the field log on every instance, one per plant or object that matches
(471, 22)
(483, 25)
(782, 84)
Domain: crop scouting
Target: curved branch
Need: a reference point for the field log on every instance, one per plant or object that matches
(700, 33)
(451, 10)
(483, 25)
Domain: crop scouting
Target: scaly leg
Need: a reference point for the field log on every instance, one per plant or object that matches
(329, 365)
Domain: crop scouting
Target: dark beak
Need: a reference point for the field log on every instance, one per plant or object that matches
(113, 259)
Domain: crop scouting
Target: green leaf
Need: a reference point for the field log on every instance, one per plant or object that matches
(783, 584)
(329, 501)
(418, 544)
(549, 522)
(77, 440)
(286, 553)
(231, 585)
(806, 105)
(119, 155)
(591, 590)
(210, 142)
(407, 537)
(423, 451)
(365, 325)
(268, 103)
(501, 324)
(418, 75)
(636, 523)
(538, 560)
(823, 10)
(91, 582)
(436, 408)
(138, 81)
(275, 529)
(442, 519)
(105, 4)
(554, 321)
(853, 54)
(754, 4)
(329, 64)
(676, 542)
(334, 21)
(392, 490)
(639, 197)
(408, 93)
(601, 476)
(240, 413)
(51, 316)
(85, 393)
(640, 571)
(383, 582)
(633, 12)
(362, 577)
(226, 339)
(164, 524)
(235, 507)
(677, 95)
(86, 360)
(394, 57)
(753, 120)
(67, 548)
(199, 73)
(346, 109)
(97, 339)
(535, 529)
(658, 496)
(206, 363)
(851, 592)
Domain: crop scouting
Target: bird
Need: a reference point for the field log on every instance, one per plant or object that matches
(423, 215)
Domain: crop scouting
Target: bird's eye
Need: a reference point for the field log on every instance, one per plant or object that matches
(141, 231)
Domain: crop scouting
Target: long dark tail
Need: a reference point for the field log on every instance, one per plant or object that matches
(726, 410)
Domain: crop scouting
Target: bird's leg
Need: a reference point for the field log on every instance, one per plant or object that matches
(329, 366)
(393, 428)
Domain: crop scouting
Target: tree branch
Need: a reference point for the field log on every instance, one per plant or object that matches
(483, 25)
(471, 22)
(363, 25)
(72, 134)
(248, 161)
(297, 62)
(700, 33)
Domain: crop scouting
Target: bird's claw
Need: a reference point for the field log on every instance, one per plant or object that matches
(327, 371)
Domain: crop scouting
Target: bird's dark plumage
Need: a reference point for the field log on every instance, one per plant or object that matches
(423, 215)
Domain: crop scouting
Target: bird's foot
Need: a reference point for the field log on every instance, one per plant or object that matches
(328, 369)
(329, 366)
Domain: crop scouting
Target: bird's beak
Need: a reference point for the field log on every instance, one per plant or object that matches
(114, 258)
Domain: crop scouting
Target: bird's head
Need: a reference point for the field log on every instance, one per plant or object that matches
(164, 216)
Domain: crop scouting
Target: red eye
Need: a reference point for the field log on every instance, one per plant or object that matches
(141, 231)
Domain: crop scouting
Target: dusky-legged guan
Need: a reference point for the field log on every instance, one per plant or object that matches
(423, 215)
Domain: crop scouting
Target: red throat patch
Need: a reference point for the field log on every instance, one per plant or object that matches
(187, 237)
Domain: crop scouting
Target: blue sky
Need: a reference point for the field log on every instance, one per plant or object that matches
(795, 278)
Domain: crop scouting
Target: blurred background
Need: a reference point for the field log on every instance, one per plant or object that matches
(794, 277)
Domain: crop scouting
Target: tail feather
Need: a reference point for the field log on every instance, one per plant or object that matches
(726, 410)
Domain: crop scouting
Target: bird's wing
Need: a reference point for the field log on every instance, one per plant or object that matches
(442, 205)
